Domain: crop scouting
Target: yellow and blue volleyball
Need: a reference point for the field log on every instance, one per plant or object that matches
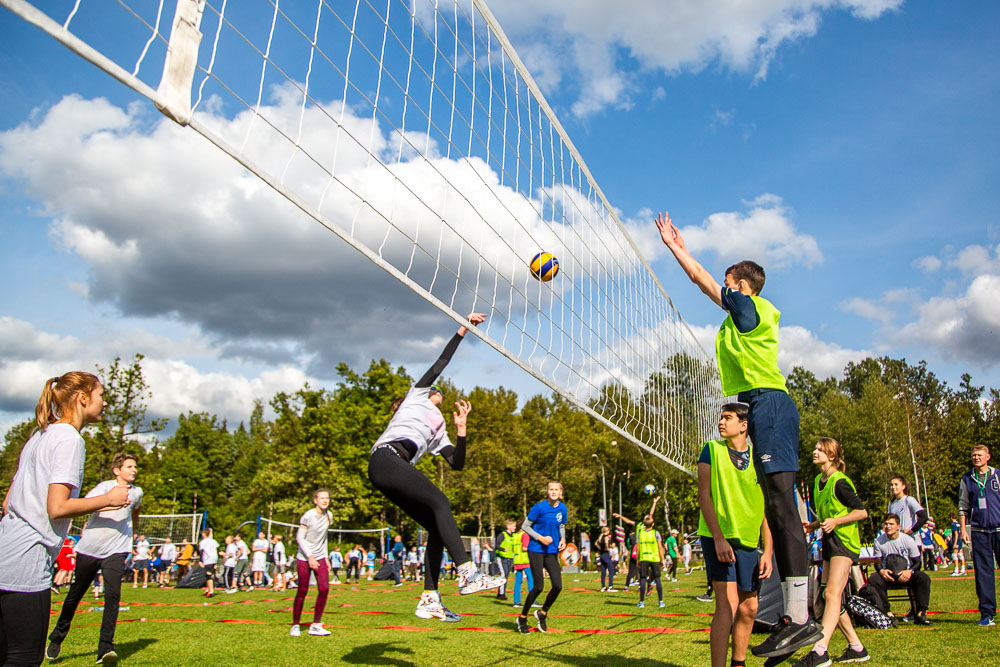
(544, 266)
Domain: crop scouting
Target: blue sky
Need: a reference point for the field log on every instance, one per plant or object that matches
(850, 146)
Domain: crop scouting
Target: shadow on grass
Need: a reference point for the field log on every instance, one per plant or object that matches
(123, 649)
(376, 654)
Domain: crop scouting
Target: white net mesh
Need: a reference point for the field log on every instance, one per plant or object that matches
(156, 527)
(414, 132)
(344, 536)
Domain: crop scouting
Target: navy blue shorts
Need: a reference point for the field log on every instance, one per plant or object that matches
(745, 571)
(773, 427)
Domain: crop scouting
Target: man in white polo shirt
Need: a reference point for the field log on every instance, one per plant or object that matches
(104, 546)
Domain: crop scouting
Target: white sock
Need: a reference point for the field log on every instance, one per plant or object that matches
(857, 647)
(819, 649)
(797, 606)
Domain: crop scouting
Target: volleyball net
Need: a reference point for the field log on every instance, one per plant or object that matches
(414, 132)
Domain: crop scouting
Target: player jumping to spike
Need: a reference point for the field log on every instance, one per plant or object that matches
(416, 428)
(746, 350)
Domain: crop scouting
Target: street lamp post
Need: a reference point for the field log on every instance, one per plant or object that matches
(604, 488)
(173, 509)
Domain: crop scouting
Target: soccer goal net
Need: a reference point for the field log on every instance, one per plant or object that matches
(412, 130)
(157, 527)
(346, 537)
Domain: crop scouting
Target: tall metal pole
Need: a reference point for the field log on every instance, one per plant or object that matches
(173, 509)
(604, 488)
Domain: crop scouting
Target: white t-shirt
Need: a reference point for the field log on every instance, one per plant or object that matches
(906, 509)
(419, 421)
(314, 541)
(168, 551)
(209, 549)
(109, 532)
(261, 544)
(29, 539)
(242, 550)
(141, 550)
(279, 553)
(231, 551)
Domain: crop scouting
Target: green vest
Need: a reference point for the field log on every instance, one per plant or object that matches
(649, 550)
(520, 555)
(750, 360)
(828, 506)
(737, 498)
(506, 547)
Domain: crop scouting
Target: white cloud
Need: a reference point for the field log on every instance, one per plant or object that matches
(764, 234)
(868, 309)
(597, 44)
(800, 347)
(30, 355)
(975, 260)
(928, 264)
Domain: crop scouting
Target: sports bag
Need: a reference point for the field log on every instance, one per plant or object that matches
(866, 615)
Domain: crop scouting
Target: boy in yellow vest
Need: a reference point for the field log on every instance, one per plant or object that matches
(505, 555)
(746, 350)
(731, 526)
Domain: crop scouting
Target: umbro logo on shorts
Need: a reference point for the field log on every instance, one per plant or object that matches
(766, 458)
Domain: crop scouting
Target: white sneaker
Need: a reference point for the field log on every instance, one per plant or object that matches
(471, 580)
(430, 607)
(317, 630)
(295, 632)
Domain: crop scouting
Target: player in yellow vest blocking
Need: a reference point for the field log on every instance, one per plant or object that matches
(839, 509)
(651, 553)
(505, 555)
(746, 350)
(731, 527)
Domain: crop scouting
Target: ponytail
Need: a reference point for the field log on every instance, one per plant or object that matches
(59, 394)
(834, 451)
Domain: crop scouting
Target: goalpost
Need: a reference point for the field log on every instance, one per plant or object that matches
(288, 530)
(413, 131)
(157, 527)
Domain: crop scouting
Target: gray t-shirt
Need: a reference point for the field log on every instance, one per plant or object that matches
(109, 532)
(419, 421)
(312, 539)
(29, 539)
(903, 545)
(906, 509)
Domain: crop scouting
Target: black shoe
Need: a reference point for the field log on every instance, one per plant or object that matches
(540, 617)
(921, 619)
(109, 658)
(814, 659)
(704, 597)
(502, 596)
(522, 625)
(788, 638)
(907, 619)
(52, 652)
(850, 655)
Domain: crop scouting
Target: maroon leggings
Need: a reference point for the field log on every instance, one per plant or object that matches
(322, 587)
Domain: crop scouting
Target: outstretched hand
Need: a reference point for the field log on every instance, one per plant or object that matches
(476, 319)
(462, 416)
(668, 232)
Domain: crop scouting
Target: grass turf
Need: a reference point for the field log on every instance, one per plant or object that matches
(373, 624)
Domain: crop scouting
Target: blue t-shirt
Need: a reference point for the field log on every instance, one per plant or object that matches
(370, 558)
(336, 559)
(546, 520)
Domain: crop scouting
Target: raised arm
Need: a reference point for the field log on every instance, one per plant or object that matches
(625, 519)
(435, 370)
(455, 454)
(695, 271)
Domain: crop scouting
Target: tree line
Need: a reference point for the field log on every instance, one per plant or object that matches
(891, 416)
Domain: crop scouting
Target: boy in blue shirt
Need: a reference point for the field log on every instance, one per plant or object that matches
(546, 525)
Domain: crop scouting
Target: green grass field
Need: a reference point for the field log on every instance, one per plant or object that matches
(373, 624)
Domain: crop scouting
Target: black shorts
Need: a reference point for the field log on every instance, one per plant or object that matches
(833, 546)
(209, 569)
(649, 570)
(773, 426)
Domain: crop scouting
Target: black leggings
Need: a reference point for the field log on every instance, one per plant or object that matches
(24, 619)
(540, 564)
(87, 568)
(411, 491)
(786, 527)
